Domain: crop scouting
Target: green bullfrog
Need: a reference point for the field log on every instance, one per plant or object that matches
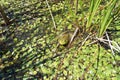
(64, 39)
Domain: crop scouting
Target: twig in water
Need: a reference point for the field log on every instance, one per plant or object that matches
(105, 41)
(84, 41)
(51, 14)
(109, 43)
(73, 36)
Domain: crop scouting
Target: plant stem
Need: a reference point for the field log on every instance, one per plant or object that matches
(6, 19)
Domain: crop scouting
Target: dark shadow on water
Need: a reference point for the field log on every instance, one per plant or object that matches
(12, 68)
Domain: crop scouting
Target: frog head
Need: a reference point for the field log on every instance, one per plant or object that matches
(64, 39)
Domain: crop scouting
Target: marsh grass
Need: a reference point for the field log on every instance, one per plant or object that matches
(107, 17)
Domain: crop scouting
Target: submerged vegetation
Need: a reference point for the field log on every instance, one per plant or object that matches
(60, 39)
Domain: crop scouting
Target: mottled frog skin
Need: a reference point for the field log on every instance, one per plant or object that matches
(64, 39)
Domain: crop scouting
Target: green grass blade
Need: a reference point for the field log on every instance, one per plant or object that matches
(106, 19)
(92, 10)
